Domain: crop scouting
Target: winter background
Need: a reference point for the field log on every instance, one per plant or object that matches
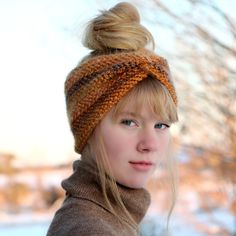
(41, 43)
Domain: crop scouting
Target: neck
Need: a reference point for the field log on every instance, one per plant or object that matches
(118, 199)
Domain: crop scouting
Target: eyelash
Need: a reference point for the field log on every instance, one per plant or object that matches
(125, 121)
(163, 124)
(128, 121)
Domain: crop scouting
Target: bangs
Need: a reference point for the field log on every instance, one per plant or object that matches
(149, 93)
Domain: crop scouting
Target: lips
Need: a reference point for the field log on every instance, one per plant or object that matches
(141, 165)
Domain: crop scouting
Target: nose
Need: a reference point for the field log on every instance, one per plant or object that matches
(148, 141)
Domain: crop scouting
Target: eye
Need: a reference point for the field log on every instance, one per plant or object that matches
(161, 126)
(128, 122)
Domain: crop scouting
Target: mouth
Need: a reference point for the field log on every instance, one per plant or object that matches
(141, 165)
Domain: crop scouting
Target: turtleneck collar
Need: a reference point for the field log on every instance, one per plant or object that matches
(84, 183)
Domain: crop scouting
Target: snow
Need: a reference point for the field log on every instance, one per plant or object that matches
(153, 224)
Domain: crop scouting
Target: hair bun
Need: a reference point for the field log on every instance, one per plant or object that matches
(117, 28)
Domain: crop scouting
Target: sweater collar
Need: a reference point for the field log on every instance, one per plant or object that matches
(84, 183)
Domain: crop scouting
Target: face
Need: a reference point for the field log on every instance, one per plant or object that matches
(135, 143)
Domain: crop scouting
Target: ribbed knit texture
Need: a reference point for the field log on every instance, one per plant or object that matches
(99, 83)
(84, 212)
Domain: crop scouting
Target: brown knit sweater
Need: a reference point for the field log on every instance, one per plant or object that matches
(85, 213)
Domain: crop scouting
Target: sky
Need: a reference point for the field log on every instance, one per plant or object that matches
(40, 44)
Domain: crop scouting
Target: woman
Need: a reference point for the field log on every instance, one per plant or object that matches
(121, 102)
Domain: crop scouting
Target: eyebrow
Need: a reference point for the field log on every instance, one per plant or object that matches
(129, 113)
(134, 114)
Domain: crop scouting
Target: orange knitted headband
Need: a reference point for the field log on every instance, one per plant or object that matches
(99, 83)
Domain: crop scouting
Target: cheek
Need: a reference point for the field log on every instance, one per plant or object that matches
(115, 144)
(165, 142)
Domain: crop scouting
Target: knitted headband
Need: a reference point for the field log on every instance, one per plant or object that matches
(99, 83)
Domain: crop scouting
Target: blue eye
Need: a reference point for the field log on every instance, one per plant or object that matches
(128, 122)
(161, 126)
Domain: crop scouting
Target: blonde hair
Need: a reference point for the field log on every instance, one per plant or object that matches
(119, 29)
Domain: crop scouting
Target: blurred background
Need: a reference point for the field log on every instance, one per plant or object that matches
(41, 43)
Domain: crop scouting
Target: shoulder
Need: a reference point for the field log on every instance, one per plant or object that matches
(82, 217)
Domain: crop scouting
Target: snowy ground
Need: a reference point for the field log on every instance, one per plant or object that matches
(218, 223)
(153, 225)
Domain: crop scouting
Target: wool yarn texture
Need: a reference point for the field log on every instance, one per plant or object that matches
(100, 82)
